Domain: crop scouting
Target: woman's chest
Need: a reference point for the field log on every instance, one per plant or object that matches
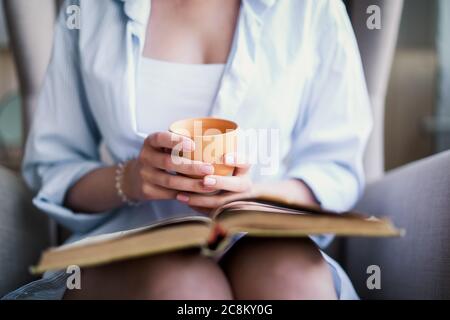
(127, 106)
(191, 32)
(261, 87)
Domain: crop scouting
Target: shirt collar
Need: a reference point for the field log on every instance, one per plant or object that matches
(138, 10)
(241, 62)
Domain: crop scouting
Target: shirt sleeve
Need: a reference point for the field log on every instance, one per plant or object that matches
(63, 142)
(335, 119)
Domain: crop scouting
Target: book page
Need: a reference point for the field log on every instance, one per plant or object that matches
(122, 234)
(259, 223)
(164, 239)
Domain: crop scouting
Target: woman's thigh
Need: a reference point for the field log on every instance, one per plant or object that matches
(278, 269)
(181, 275)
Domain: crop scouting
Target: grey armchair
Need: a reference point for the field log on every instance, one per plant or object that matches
(416, 197)
(24, 232)
(31, 39)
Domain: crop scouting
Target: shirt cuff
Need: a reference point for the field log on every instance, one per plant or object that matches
(57, 181)
(327, 184)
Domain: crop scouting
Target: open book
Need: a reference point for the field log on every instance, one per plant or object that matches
(261, 217)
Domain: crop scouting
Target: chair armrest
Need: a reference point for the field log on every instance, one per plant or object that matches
(417, 198)
(30, 24)
(24, 232)
(377, 48)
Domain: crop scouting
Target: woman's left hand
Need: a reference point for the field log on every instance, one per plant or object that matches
(231, 188)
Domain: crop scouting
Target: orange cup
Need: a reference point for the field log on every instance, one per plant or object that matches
(213, 139)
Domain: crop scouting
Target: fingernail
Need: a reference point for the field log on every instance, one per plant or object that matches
(182, 198)
(208, 181)
(207, 169)
(229, 158)
(188, 146)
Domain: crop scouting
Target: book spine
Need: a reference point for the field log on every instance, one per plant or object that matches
(217, 235)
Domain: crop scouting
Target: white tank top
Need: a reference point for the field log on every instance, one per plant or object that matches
(167, 92)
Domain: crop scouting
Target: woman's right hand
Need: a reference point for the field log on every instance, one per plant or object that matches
(147, 178)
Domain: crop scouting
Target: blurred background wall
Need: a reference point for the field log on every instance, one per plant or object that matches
(412, 91)
(10, 117)
(443, 47)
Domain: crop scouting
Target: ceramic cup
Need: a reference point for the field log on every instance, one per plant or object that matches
(213, 139)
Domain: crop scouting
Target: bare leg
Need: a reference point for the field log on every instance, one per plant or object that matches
(183, 275)
(278, 269)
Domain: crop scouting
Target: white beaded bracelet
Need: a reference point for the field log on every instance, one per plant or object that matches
(120, 171)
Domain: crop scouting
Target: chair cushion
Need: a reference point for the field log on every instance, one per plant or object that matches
(24, 232)
(417, 198)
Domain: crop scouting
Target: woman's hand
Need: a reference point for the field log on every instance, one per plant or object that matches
(230, 188)
(147, 177)
(293, 191)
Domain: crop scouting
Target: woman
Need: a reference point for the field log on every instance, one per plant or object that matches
(135, 66)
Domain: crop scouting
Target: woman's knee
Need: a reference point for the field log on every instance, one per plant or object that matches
(279, 269)
(182, 275)
(186, 275)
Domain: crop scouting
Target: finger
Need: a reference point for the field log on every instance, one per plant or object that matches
(170, 140)
(228, 183)
(235, 160)
(240, 163)
(202, 201)
(153, 192)
(210, 201)
(170, 162)
(175, 182)
(189, 167)
(240, 172)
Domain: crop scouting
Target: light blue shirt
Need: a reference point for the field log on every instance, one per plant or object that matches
(294, 67)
